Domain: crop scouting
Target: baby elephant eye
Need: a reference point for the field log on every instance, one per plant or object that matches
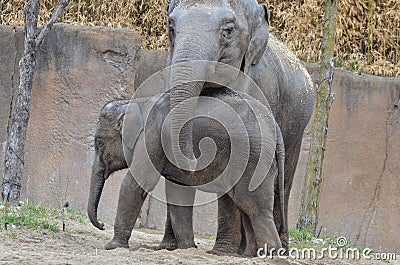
(100, 142)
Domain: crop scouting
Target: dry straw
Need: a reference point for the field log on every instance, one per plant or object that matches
(368, 31)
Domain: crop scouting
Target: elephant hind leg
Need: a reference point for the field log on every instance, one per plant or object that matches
(266, 233)
(250, 245)
(259, 210)
(292, 151)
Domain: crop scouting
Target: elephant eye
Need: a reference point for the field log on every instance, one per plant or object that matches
(227, 30)
(171, 29)
(100, 142)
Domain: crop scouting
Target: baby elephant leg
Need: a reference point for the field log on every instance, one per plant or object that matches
(169, 241)
(131, 198)
(140, 179)
(250, 239)
(180, 208)
(262, 222)
(229, 232)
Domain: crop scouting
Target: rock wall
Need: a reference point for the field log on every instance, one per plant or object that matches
(360, 194)
(79, 69)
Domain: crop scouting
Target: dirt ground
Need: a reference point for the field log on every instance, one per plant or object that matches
(84, 245)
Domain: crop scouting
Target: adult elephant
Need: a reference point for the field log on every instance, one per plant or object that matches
(235, 33)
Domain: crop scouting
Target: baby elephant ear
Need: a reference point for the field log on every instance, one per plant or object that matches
(259, 39)
(131, 125)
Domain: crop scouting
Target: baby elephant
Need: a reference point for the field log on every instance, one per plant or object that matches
(242, 164)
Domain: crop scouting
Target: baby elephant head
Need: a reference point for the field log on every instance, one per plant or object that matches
(109, 155)
(119, 127)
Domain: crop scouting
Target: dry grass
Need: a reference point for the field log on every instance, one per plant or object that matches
(148, 17)
(367, 36)
(368, 31)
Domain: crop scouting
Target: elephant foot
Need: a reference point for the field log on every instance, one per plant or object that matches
(225, 249)
(171, 245)
(115, 243)
(249, 253)
(186, 244)
(221, 249)
(223, 253)
(167, 246)
(285, 242)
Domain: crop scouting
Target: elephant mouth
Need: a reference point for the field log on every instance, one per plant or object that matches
(106, 174)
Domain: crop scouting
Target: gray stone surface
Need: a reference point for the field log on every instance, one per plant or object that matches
(151, 61)
(81, 68)
(78, 70)
(8, 82)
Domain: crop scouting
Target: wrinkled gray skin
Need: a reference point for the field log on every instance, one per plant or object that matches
(236, 32)
(255, 208)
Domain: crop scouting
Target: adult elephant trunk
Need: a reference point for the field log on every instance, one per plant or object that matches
(96, 187)
(191, 62)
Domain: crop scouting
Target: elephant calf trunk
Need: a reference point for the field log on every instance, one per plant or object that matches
(94, 200)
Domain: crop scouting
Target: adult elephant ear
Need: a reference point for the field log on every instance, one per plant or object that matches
(171, 7)
(259, 38)
(131, 124)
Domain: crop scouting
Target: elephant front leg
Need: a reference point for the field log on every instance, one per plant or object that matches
(180, 208)
(229, 232)
(131, 198)
(169, 241)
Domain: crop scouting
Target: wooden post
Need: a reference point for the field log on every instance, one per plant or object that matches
(308, 216)
(1, 12)
(14, 157)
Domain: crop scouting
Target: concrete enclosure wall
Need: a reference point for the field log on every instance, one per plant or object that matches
(79, 69)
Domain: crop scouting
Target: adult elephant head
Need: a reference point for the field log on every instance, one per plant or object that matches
(232, 32)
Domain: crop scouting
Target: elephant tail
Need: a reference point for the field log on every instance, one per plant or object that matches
(280, 153)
